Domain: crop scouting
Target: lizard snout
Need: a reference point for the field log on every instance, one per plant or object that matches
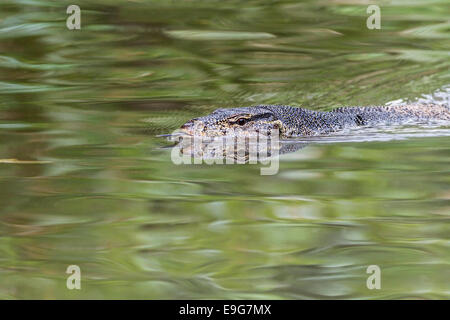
(189, 124)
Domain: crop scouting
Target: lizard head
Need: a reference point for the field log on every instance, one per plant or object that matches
(231, 122)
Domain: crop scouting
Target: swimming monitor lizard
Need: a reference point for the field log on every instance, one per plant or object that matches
(297, 122)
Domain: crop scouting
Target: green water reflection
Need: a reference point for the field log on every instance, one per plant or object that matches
(84, 180)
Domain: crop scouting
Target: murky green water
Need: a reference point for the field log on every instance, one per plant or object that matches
(85, 181)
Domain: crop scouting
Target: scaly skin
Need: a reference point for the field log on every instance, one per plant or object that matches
(295, 122)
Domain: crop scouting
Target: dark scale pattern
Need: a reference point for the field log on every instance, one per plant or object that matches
(291, 121)
(304, 122)
(397, 114)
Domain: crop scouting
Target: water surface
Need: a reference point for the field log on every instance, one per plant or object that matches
(85, 180)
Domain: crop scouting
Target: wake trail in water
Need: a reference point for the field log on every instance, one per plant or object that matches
(440, 96)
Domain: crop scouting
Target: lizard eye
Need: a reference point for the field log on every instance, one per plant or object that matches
(241, 121)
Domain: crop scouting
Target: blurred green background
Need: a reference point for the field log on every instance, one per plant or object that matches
(84, 180)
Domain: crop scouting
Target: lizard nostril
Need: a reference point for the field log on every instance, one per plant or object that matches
(187, 125)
